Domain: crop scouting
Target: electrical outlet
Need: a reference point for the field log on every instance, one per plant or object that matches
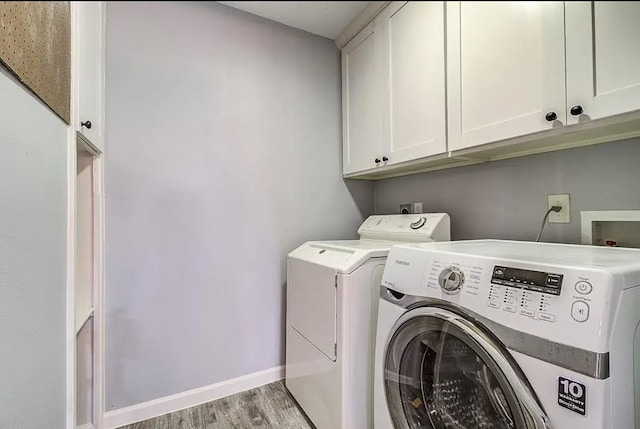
(410, 208)
(564, 215)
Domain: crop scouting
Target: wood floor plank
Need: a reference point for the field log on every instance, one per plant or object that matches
(191, 418)
(156, 423)
(266, 407)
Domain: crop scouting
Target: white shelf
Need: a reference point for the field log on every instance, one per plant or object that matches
(82, 317)
(85, 375)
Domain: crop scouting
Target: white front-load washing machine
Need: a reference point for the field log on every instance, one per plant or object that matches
(332, 298)
(508, 335)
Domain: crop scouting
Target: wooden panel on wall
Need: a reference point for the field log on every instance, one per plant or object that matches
(35, 44)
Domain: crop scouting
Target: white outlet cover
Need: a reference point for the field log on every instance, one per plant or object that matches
(408, 207)
(563, 216)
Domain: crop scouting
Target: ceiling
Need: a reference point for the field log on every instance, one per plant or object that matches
(324, 18)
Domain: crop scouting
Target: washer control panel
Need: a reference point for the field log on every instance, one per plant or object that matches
(536, 281)
(548, 295)
(563, 304)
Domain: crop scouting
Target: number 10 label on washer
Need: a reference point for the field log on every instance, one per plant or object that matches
(572, 395)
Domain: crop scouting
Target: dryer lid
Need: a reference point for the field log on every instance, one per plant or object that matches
(343, 256)
(377, 234)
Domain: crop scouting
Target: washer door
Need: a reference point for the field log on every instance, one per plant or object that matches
(442, 371)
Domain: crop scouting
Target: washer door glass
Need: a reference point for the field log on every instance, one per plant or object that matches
(440, 374)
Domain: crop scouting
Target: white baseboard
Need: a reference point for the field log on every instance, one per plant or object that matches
(168, 404)
(85, 426)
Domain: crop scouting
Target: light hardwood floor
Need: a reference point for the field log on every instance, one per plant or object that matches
(265, 407)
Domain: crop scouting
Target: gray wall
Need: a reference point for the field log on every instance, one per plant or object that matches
(33, 231)
(223, 154)
(507, 199)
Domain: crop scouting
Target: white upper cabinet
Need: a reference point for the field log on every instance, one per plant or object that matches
(393, 88)
(413, 52)
(506, 70)
(89, 45)
(362, 113)
(443, 83)
(603, 59)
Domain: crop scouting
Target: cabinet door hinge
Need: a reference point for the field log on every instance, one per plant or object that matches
(335, 350)
(335, 283)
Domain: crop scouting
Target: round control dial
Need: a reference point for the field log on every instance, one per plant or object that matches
(419, 223)
(451, 280)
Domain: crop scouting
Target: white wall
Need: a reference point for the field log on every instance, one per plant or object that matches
(507, 199)
(223, 154)
(33, 232)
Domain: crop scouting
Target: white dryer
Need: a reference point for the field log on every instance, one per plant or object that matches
(508, 335)
(332, 298)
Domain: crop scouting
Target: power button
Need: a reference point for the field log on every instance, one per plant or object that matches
(583, 287)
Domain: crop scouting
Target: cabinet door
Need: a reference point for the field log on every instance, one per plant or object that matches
(89, 41)
(505, 70)
(603, 58)
(362, 102)
(414, 72)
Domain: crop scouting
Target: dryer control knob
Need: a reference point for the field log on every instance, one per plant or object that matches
(419, 223)
(451, 280)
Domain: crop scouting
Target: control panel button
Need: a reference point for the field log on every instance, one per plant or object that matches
(510, 308)
(528, 313)
(553, 280)
(498, 271)
(547, 317)
(580, 311)
(584, 287)
(493, 304)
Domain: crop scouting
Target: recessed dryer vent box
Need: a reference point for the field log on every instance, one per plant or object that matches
(619, 227)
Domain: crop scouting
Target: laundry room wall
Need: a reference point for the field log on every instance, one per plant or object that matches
(223, 153)
(507, 199)
(33, 249)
